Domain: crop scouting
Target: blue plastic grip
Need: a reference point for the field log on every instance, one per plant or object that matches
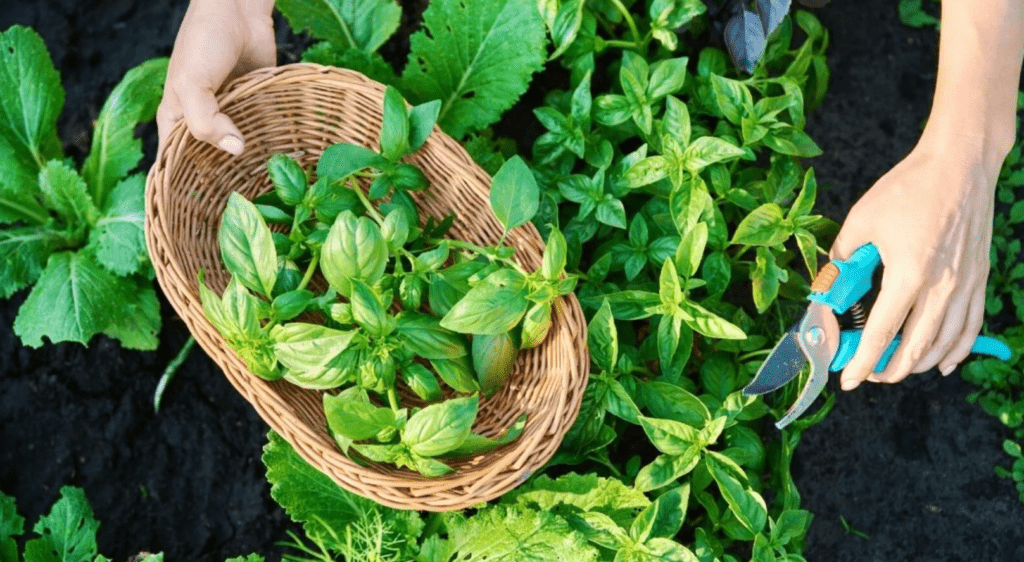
(853, 281)
(849, 341)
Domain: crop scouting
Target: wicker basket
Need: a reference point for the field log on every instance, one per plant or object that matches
(302, 109)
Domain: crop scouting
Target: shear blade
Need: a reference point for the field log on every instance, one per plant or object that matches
(783, 364)
(820, 350)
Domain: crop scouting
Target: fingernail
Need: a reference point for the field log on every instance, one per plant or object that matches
(947, 369)
(850, 385)
(232, 144)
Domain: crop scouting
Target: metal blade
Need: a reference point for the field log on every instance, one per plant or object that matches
(819, 339)
(784, 363)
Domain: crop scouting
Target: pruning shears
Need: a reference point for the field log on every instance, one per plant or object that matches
(817, 339)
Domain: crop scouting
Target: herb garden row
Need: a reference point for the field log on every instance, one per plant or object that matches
(685, 163)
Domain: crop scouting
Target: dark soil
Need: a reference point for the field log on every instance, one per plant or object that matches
(909, 464)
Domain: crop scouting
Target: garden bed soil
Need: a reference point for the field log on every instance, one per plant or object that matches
(911, 465)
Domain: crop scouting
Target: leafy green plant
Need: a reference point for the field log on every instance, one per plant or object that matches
(913, 14)
(74, 235)
(387, 266)
(66, 534)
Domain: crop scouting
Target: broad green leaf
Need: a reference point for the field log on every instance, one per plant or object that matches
(667, 77)
(11, 525)
(423, 335)
(67, 533)
(288, 178)
(704, 151)
(610, 211)
(732, 97)
(31, 98)
(804, 203)
(792, 141)
(675, 343)
(440, 428)
(476, 57)
(422, 119)
(666, 469)
(489, 308)
(745, 503)
(360, 24)
(70, 301)
(246, 245)
(766, 278)
(588, 492)
(372, 65)
(676, 121)
(647, 171)
(661, 549)
(457, 373)
(514, 196)
(137, 324)
(791, 524)
(421, 381)
(620, 403)
(671, 402)
(516, 534)
(23, 254)
(115, 151)
(537, 323)
(670, 289)
(65, 192)
(632, 305)
(601, 530)
(602, 338)
(664, 517)
(708, 323)
(494, 356)
(354, 417)
(669, 436)
(310, 497)
(476, 444)
(394, 132)
(368, 311)
(808, 245)
(563, 19)
(764, 226)
(119, 238)
(553, 263)
(341, 160)
(354, 249)
(687, 203)
(691, 249)
(316, 356)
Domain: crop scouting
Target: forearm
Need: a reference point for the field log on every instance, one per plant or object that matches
(981, 47)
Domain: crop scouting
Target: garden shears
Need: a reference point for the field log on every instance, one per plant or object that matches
(818, 340)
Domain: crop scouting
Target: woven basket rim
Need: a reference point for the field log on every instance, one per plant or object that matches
(483, 477)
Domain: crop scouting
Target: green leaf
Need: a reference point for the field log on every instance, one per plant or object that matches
(671, 402)
(517, 534)
(115, 151)
(23, 254)
(747, 505)
(70, 302)
(361, 24)
(423, 335)
(610, 211)
(704, 151)
(476, 57)
(675, 343)
(563, 23)
(647, 171)
(456, 373)
(764, 226)
(808, 245)
(246, 245)
(354, 417)
(67, 533)
(354, 249)
(709, 324)
(31, 98)
(676, 121)
(310, 497)
(553, 264)
(494, 357)
(422, 119)
(65, 192)
(372, 65)
(288, 178)
(664, 517)
(792, 141)
(669, 436)
(476, 444)
(732, 97)
(440, 428)
(666, 469)
(691, 249)
(667, 77)
(316, 356)
(11, 525)
(119, 239)
(766, 278)
(422, 382)
(488, 308)
(394, 132)
(515, 196)
(602, 338)
(368, 310)
(687, 203)
(791, 524)
(588, 492)
(804, 203)
(137, 324)
(342, 160)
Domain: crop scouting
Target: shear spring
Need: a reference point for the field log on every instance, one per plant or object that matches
(859, 317)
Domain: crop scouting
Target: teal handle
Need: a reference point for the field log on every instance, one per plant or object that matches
(853, 281)
(849, 341)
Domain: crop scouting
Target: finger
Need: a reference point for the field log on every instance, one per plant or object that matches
(952, 327)
(846, 242)
(972, 327)
(898, 293)
(261, 50)
(922, 326)
(168, 114)
(208, 124)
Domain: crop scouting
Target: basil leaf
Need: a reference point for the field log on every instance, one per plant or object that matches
(354, 249)
(394, 133)
(422, 382)
(423, 335)
(602, 338)
(488, 309)
(354, 418)
(246, 245)
(666, 469)
(341, 160)
(747, 505)
(494, 356)
(536, 324)
(476, 444)
(288, 178)
(440, 428)
(422, 119)
(515, 197)
(456, 373)
(368, 310)
(764, 226)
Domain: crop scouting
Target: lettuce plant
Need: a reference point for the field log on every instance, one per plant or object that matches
(74, 234)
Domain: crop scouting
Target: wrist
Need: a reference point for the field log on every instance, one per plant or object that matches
(975, 139)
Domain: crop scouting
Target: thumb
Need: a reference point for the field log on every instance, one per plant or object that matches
(207, 123)
(847, 241)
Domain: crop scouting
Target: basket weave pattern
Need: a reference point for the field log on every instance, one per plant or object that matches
(302, 109)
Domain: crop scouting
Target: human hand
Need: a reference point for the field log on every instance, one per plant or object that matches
(931, 219)
(218, 40)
